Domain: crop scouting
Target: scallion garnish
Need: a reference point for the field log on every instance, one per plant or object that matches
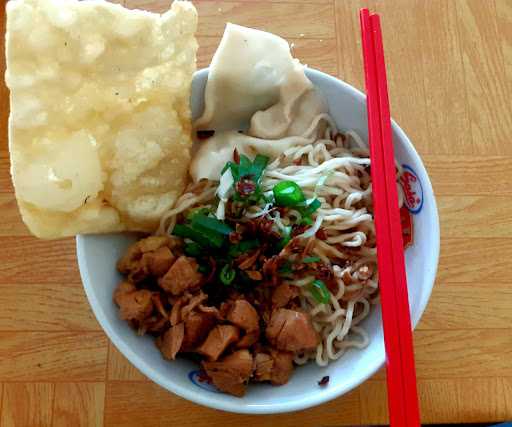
(201, 236)
(310, 259)
(243, 247)
(212, 224)
(193, 249)
(227, 274)
(288, 193)
(319, 291)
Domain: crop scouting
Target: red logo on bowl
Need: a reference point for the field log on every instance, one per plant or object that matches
(413, 190)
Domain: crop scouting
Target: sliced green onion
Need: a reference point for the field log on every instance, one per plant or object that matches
(258, 166)
(203, 237)
(227, 274)
(193, 249)
(197, 211)
(319, 291)
(288, 193)
(203, 269)
(286, 268)
(310, 259)
(212, 224)
(306, 220)
(313, 207)
(287, 236)
(243, 247)
(245, 166)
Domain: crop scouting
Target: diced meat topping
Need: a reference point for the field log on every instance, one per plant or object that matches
(243, 315)
(197, 327)
(170, 342)
(263, 364)
(283, 294)
(133, 304)
(282, 368)
(291, 330)
(158, 262)
(218, 340)
(144, 258)
(232, 372)
(182, 276)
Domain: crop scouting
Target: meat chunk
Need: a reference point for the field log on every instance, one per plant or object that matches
(218, 340)
(197, 327)
(283, 294)
(263, 364)
(133, 304)
(291, 330)
(140, 260)
(171, 341)
(182, 276)
(231, 373)
(158, 262)
(175, 316)
(243, 315)
(282, 368)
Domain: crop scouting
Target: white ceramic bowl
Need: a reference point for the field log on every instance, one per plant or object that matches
(97, 255)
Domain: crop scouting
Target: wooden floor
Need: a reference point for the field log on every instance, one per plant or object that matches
(450, 75)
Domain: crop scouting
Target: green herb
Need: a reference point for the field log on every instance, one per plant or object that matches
(193, 249)
(319, 291)
(243, 247)
(227, 274)
(197, 211)
(203, 269)
(287, 236)
(288, 193)
(285, 269)
(200, 221)
(204, 238)
(307, 220)
(312, 207)
(258, 166)
(310, 259)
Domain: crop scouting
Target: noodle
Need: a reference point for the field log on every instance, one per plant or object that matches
(335, 170)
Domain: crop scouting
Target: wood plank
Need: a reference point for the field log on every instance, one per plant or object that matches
(26, 260)
(5, 174)
(444, 401)
(504, 13)
(350, 62)
(149, 405)
(120, 369)
(468, 306)
(404, 66)
(11, 224)
(45, 307)
(486, 82)
(470, 175)
(470, 260)
(79, 404)
(27, 404)
(439, 353)
(53, 356)
(316, 53)
(442, 68)
(475, 216)
(310, 20)
(476, 353)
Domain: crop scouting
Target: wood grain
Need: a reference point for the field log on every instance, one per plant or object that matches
(55, 356)
(78, 404)
(450, 74)
(442, 401)
(45, 307)
(119, 369)
(486, 85)
(28, 404)
(468, 306)
(146, 404)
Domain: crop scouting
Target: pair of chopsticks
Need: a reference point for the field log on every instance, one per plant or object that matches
(401, 374)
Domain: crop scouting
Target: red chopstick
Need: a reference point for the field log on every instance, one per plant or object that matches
(401, 376)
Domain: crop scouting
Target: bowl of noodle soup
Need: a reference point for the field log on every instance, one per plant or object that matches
(348, 361)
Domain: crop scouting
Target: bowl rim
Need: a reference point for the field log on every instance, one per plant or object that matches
(305, 402)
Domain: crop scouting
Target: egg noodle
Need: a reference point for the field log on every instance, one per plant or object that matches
(332, 167)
